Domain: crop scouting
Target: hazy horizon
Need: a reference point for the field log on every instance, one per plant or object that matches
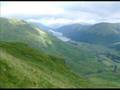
(60, 12)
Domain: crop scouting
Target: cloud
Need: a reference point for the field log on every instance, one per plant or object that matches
(50, 13)
(29, 9)
(61, 21)
(51, 21)
(34, 20)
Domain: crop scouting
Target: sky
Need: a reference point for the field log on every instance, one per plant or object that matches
(61, 12)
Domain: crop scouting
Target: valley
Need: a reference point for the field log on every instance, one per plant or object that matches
(34, 57)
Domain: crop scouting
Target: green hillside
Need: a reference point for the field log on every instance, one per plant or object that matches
(101, 33)
(22, 66)
(28, 44)
(20, 31)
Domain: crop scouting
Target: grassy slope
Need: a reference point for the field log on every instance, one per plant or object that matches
(99, 67)
(13, 30)
(22, 66)
(88, 60)
(81, 59)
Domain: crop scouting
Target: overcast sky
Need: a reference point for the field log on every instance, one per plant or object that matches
(49, 13)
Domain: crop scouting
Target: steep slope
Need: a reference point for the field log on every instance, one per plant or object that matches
(92, 61)
(71, 30)
(101, 33)
(104, 33)
(20, 31)
(22, 66)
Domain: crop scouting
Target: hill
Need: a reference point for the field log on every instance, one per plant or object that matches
(23, 66)
(96, 63)
(101, 33)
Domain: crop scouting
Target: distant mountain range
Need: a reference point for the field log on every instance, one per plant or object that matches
(101, 33)
(33, 57)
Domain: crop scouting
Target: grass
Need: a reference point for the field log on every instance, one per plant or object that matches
(22, 66)
(45, 61)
